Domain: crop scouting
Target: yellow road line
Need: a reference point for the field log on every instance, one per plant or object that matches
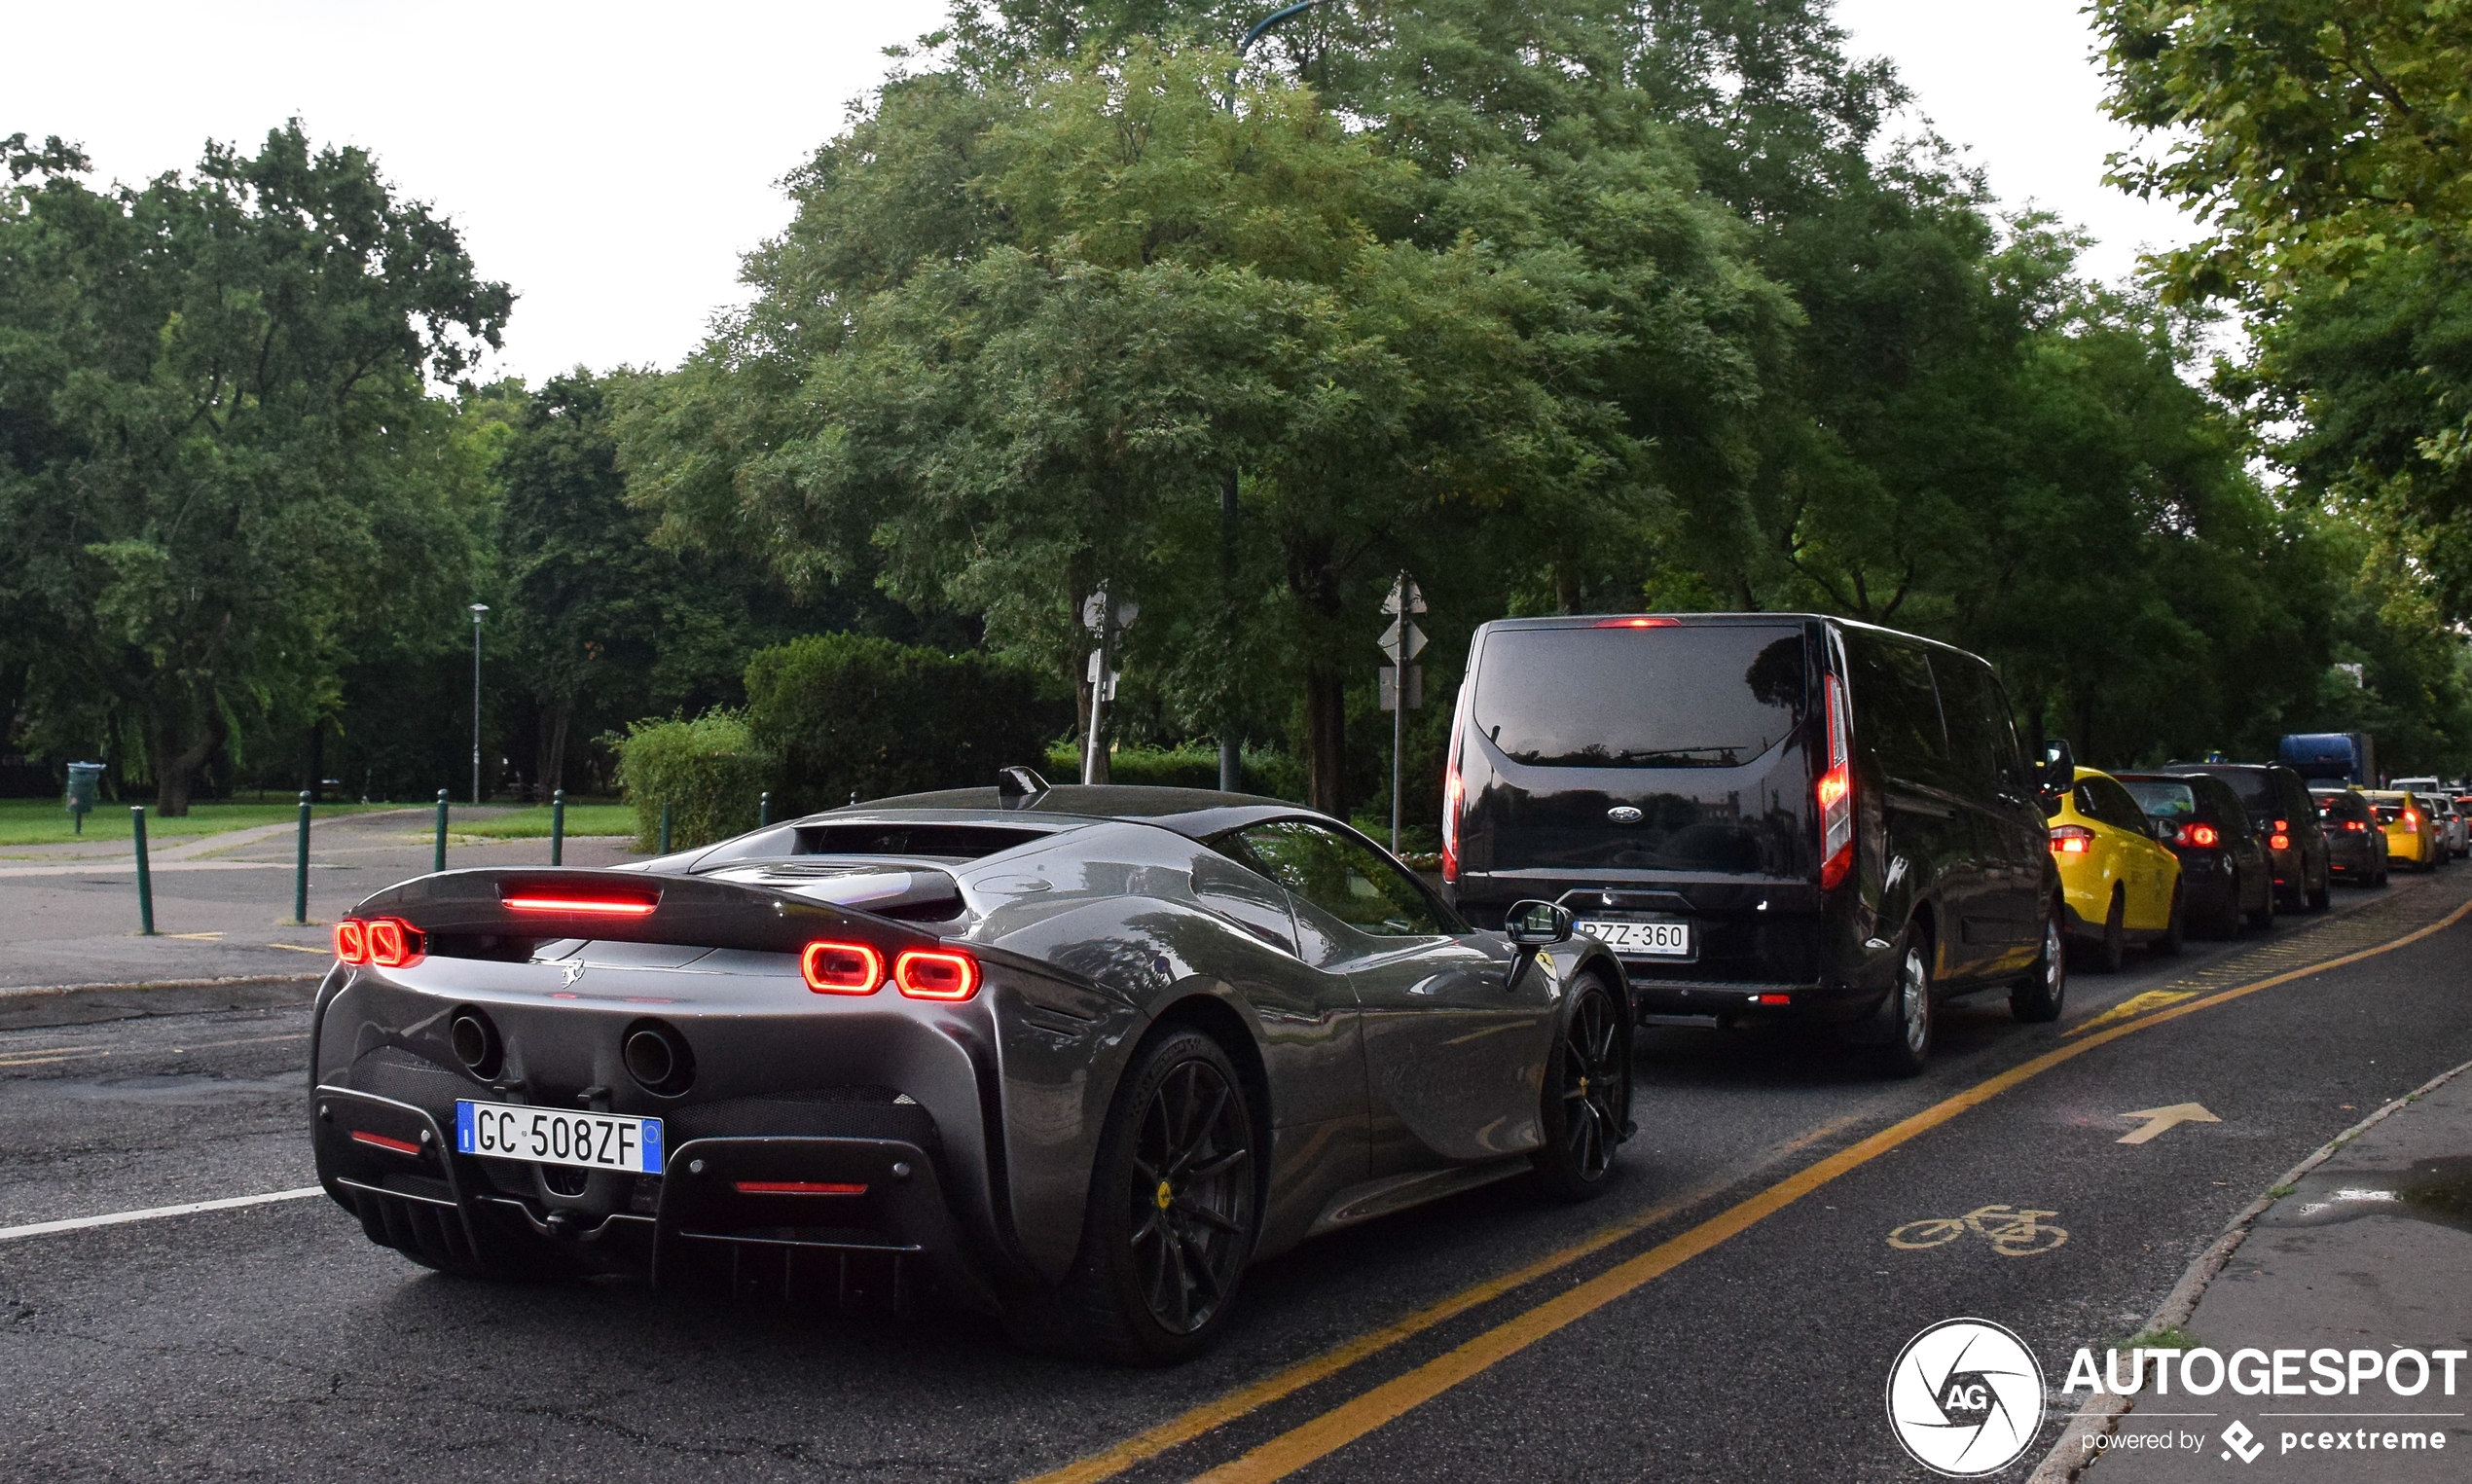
(1354, 1419)
(1222, 1410)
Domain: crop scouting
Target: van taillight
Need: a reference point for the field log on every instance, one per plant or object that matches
(1453, 794)
(1835, 794)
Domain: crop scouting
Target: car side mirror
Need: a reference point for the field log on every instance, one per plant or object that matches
(1531, 926)
(1537, 924)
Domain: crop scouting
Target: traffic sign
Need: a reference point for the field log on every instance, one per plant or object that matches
(1402, 633)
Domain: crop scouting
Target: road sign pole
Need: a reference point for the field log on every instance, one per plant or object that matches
(558, 827)
(1401, 641)
(300, 866)
(438, 861)
(763, 809)
(145, 882)
(666, 818)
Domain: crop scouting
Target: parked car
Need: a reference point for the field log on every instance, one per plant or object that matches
(2411, 839)
(1772, 818)
(2355, 844)
(2280, 807)
(2227, 873)
(1074, 1056)
(2121, 883)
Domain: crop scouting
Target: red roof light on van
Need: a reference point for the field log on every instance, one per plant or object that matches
(1637, 623)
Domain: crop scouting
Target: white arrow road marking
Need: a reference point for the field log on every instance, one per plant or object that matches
(117, 1217)
(2162, 1118)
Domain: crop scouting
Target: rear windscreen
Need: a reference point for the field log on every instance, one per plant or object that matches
(2255, 788)
(966, 842)
(2163, 800)
(1684, 696)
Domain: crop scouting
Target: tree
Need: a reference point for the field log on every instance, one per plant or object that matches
(219, 462)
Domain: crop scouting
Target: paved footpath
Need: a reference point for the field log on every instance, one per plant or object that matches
(223, 903)
(2361, 1263)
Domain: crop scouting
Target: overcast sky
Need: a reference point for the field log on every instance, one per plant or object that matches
(611, 161)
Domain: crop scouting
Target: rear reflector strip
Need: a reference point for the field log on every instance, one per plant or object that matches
(798, 1188)
(1773, 999)
(382, 1141)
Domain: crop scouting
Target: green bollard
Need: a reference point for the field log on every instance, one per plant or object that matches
(300, 867)
(145, 882)
(558, 827)
(665, 829)
(439, 862)
(763, 809)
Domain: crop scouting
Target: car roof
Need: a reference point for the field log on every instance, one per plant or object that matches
(1195, 812)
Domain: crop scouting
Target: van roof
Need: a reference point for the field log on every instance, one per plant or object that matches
(1618, 620)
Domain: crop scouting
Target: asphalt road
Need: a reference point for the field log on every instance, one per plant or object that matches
(274, 1342)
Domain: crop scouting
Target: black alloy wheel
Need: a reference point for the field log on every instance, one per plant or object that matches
(2038, 997)
(1587, 1102)
(1174, 1211)
(1909, 1050)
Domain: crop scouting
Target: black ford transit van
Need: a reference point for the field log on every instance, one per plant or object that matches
(1767, 816)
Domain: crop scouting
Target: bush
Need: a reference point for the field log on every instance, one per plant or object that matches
(1274, 774)
(708, 771)
(846, 714)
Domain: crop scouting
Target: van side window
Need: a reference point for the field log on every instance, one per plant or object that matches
(1982, 742)
(1897, 709)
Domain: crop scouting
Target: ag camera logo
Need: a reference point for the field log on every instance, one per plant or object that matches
(1965, 1397)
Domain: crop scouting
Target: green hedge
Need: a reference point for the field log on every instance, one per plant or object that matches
(846, 714)
(1272, 774)
(709, 770)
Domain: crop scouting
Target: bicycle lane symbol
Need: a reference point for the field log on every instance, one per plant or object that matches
(2011, 1231)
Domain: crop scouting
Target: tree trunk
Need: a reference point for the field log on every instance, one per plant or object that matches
(1326, 741)
(549, 768)
(175, 765)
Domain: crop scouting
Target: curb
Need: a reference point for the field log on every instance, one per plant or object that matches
(229, 982)
(2070, 1456)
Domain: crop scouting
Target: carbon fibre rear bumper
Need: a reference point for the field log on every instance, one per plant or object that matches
(695, 1218)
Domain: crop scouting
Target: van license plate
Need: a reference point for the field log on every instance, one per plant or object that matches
(555, 1137)
(1641, 940)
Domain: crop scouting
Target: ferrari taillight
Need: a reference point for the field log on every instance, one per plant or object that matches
(1835, 793)
(1454, 794)
(924, 973)
(380, 942)
(842, 968)
(2071, 840)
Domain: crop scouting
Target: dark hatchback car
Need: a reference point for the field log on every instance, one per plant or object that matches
(2226, 874)
(2285, 817)
(1767, 816)
(2355, 839)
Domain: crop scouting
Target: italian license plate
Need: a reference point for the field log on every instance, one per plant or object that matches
(546, 1136)
(1643, 940)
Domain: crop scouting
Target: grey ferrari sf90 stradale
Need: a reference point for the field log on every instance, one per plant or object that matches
(1074, 1056)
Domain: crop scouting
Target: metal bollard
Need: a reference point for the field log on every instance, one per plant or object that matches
(439, 863)
(300, 866)
(145, 882)
(558, 829)
(763, 809)
(665, 829)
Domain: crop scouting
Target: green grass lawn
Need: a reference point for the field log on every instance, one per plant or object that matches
(533, 824)
(46, 822)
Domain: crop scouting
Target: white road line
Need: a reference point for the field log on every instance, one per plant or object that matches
(116, 1218)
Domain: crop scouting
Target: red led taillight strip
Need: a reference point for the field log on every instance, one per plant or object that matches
(390, 1145)
(629, 906)
(798, 1188)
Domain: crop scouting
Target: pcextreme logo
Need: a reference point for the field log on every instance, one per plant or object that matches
(1965, 1397)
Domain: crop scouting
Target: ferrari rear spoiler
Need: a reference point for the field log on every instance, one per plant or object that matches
(501, 912)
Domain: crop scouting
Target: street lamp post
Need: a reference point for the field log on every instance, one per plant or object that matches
(1231, 762)
(477, 610)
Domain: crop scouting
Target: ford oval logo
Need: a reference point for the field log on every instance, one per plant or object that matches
(1624, 814)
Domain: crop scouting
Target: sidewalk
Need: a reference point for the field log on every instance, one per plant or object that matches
(223, 903)
(2367, 1254)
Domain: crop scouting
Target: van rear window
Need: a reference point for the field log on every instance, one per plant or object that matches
(1684, 696)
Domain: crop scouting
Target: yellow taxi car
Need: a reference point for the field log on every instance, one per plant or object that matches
(2122, 884)
(2411, 838)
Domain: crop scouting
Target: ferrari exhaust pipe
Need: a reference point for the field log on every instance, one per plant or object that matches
(658, 1059)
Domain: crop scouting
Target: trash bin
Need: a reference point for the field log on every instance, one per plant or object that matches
(85, 779)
